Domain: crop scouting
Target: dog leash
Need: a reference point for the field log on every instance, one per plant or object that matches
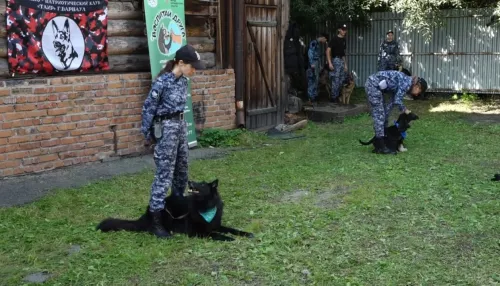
(181, 217)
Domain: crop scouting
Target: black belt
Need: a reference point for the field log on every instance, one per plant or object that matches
(172, 116)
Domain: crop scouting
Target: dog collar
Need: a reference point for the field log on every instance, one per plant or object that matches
(209, 214)
(403, 134)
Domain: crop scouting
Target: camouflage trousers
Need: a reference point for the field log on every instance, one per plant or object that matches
(387, 65)
(171, 159)
(312, 82)
(379, 113)
(337, 76)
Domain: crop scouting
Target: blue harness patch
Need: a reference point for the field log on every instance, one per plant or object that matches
(209, 215)
(403, 134)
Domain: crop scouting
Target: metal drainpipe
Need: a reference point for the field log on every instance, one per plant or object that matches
(239, 68)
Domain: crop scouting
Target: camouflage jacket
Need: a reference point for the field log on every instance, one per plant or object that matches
(167, 95)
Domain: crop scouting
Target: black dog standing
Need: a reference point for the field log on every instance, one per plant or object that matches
(395, 134)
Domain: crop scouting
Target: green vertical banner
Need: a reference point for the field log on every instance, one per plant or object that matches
(166, 27)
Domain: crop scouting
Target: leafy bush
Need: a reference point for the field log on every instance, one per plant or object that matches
(220, 137)
(466, 97)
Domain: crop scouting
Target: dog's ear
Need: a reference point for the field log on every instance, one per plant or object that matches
(55, 29)
(214, 185)
(66, 25)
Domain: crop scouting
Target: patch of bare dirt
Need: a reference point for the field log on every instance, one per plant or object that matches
(329, 199)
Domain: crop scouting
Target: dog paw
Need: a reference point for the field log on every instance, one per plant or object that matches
(250, 235)
(403, 150)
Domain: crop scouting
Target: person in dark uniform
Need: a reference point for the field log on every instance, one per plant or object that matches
(314, 66)
(163, 123)
(337, 62)
(399, 84)
(389, 57)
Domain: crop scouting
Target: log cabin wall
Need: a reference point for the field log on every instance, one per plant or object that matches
(127, 42)
(48, 122)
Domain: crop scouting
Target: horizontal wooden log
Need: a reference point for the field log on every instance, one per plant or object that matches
(4, 68)
(202, 44)
(123, 63)
(200, 8)
(137, 63)
(133, 28)
(127, 45)
(129, 63)
(127, 28)
(135, 45)
(116, 46)
(197, 31)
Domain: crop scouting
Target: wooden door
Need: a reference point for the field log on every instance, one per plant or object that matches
(263, 75)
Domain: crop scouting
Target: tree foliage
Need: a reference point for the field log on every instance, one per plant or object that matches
(420, 15)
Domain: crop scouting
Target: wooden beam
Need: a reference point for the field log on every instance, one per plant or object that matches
(253, 112)
(122, 63)
(132, 27)
(200, 27)
(4, 68)
(116, 46)
(125, 15)
(127, 45)
(129, 28)
(202, 44)
(200, 8)
(129, 63)
(262, 23)
(136, 45)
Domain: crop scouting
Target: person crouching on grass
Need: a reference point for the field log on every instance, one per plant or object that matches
(163, 123)
(399, 84)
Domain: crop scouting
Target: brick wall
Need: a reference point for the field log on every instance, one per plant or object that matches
(62, 121)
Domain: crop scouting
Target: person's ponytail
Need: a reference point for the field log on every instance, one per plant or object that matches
(169, 67)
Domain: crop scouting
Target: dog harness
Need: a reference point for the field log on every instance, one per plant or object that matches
(209, 214)
(403, 134)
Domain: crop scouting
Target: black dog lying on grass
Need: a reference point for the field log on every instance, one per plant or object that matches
(197, 215)
(395, 134)
(496, 178)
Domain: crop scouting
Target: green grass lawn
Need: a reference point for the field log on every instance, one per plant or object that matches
(325, 211)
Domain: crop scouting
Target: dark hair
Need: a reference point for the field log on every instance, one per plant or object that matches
(169, 66)
(324, 35)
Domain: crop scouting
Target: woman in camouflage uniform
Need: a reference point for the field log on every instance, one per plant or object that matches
(163, 122)
(396, 83)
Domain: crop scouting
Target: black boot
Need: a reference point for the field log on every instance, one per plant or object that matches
(380, 147)
(157, 227)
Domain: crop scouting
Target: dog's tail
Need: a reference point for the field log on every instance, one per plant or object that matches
(367, 143)
(113, 224)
